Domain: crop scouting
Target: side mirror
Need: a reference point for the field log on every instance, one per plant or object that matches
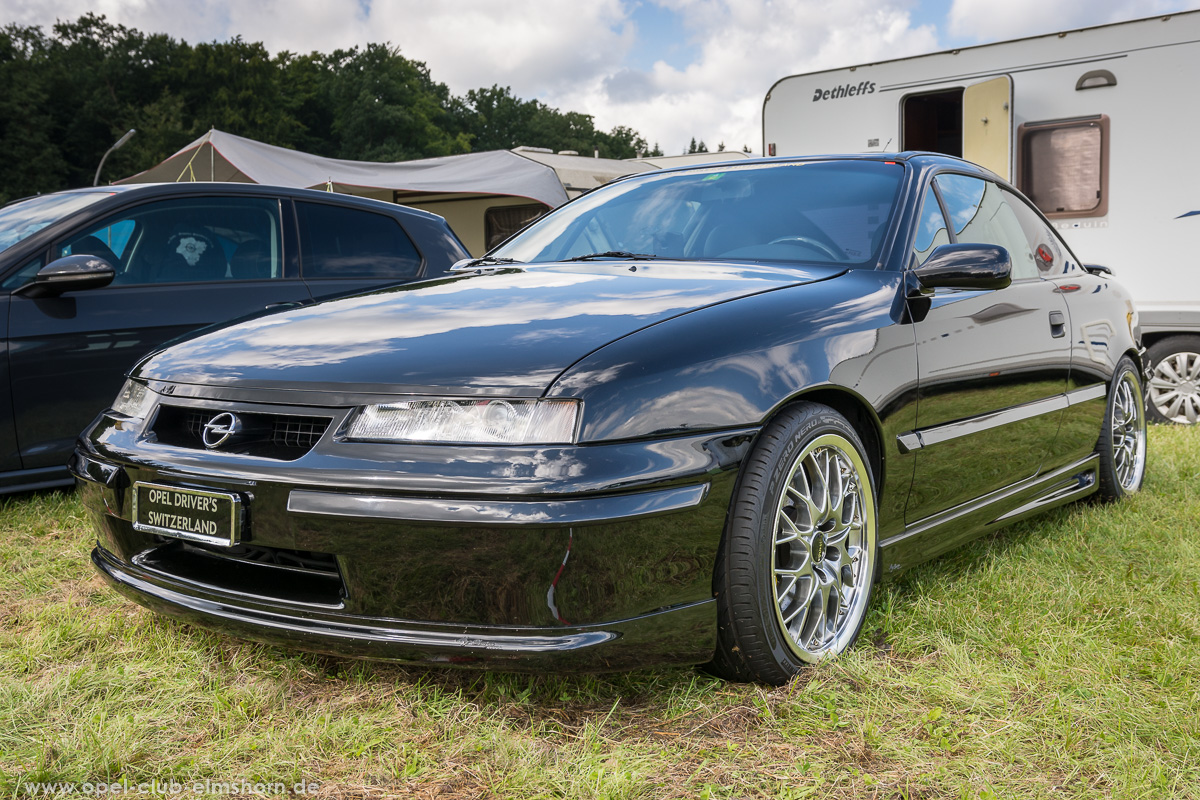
(69, 274)
(965, 266)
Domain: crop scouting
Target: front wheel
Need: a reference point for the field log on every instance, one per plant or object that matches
(797, 562)
(1122, 444)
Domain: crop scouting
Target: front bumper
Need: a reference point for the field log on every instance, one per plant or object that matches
(603, 560)
(682, 634)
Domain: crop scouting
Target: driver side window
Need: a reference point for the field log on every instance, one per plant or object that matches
(981, 215)
(200, 240)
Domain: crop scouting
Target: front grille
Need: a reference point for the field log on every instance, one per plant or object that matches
(298, 431)
(297, 576)
(280, 436)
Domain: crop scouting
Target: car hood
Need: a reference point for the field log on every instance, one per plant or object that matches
(507, 331)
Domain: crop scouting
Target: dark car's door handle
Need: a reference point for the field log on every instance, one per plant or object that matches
(288, 304)
(1058, 324)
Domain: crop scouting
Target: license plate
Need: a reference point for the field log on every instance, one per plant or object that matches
(193, 514)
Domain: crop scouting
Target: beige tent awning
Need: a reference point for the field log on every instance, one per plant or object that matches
(219, 156)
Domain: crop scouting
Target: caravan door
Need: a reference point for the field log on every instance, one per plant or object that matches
(987, 125)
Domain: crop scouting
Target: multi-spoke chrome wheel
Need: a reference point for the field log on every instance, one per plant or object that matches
(797, 562)
(1122, 445)
(823, 547)
(1175, 380)
(1128, 432)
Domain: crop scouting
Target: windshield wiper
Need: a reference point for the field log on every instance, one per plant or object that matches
(614, 254)
(483, 262)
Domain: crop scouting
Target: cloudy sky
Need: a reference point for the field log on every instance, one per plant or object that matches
(671, 69)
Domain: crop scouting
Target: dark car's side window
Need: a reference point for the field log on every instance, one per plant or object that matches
(194, 240)
(24, 275)
(338, 242)
(931, 229)
(981, 215)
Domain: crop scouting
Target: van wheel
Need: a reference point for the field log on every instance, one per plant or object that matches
(1174, 391)
(797, 561)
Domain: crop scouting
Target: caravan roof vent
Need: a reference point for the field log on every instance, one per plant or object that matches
(527, 149)
(568, 152)
(1095, 79)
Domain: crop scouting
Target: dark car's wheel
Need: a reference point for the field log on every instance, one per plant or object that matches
(1122, 444)
(1174, 380)
(797, 561)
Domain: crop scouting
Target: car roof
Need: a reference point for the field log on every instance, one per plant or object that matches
(920, 160)
(128, 190)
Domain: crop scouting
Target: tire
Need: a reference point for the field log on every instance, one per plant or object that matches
(1174, 390)
(1122, 444)
(797, 562)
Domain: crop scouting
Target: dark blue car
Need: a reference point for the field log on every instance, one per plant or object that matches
(182, 256)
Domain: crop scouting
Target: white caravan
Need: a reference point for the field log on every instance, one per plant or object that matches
(1096, 126)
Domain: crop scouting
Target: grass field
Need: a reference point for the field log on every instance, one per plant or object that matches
(1058, 659)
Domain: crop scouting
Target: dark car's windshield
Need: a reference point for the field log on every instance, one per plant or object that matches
(830, 211)
(25, 218)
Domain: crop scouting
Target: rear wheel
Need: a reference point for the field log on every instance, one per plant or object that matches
(1122, 444)
(1174, 380)
(797, 562)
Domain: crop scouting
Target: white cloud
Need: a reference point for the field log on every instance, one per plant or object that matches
(987, 20)
(538, 47)
(570, 55)
(744, 47)
(574, 55)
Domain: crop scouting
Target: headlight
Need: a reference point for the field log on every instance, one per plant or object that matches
(491, 421)
(134, 400)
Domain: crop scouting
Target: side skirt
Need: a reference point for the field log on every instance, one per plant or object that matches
(932, 536)
(28, 480)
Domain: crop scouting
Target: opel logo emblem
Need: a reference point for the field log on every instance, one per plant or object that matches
(219, 429)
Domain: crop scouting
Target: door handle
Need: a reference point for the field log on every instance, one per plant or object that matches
(1058, 324)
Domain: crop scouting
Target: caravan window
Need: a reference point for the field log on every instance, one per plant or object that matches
(1064, 166)
(501, 222)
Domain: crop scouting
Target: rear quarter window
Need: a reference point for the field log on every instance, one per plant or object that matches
(338, 242)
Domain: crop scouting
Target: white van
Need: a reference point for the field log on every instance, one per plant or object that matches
(1097, 126)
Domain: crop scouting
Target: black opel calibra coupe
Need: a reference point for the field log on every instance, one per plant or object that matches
(692, 416)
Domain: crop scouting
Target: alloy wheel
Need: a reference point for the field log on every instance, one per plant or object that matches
(824, 545)
(1128, 432)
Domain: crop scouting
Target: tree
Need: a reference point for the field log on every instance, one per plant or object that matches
(497, 120)
(388, 108)
(66, 96)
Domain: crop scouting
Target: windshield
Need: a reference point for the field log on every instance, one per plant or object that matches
(825, 211)
(26, 217)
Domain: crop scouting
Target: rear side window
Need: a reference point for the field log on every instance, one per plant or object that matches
(1050, 255)
(340, 242)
